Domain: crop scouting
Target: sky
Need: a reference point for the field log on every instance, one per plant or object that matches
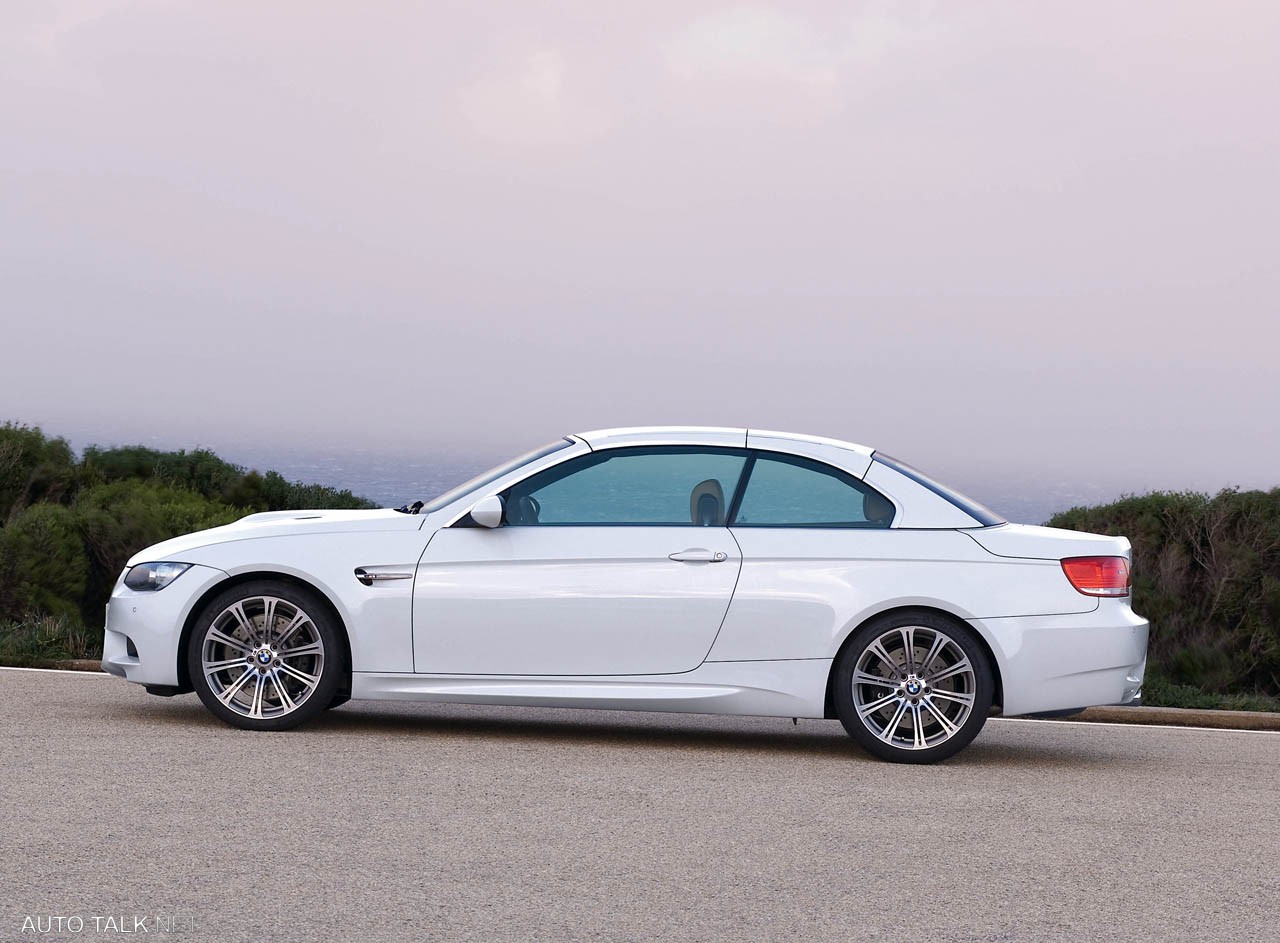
(1028, 239)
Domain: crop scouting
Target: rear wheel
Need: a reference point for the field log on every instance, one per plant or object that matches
(913, 687)
(266, 656)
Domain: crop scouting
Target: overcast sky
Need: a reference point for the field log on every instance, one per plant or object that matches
(1035, 235)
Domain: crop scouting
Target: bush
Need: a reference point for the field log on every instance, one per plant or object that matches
(200, 471)
(43, 564)
(281, 495)
(1207, 576)
(36, 640)
(117, 520)
(204, 473)
(1158, 691)
(33, 468)
(67, 527)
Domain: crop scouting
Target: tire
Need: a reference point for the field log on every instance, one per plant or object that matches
(272, 680)
(917, 708)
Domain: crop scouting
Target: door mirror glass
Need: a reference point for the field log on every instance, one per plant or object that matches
(488, 512)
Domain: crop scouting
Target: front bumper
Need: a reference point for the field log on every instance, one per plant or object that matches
(1052, 663)
(143, 630)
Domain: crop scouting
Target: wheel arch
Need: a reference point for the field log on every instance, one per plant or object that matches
(829, 708)
(184, 677)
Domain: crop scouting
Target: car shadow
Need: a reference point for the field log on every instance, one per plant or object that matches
(623, 729)
(551, 725)
(819, 738)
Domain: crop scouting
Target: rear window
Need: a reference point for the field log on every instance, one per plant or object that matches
(979, 512)
(790, 491)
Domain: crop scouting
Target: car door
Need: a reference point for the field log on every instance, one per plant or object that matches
(815, 541)
(613, 563)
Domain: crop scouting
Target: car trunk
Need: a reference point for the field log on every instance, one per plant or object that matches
(1047, 543)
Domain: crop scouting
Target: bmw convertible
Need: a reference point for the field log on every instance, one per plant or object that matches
(704, 570)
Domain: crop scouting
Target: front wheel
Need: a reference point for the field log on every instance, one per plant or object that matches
(265, 656)
(913, 687)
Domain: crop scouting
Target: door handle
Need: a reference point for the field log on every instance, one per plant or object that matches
(698, 555)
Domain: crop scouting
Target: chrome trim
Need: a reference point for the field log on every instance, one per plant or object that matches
(369, 578)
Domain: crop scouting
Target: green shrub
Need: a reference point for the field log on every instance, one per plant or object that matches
(33, 468)
(43, 564)
(281, 495)
(200, 471)
(117, 520)
(1158, 691)
(67, 527)
(1207, 576)
(37, 640)
(203, 472)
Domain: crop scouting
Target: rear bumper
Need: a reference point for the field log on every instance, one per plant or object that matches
(1050, 663)
(140, 642)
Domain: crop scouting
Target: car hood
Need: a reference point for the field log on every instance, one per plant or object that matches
(280, 524)
(1046, 543)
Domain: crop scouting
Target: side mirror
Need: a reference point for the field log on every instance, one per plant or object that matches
(488, 513)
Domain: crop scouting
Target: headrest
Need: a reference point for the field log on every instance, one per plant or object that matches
(706, 503)
(877, 508)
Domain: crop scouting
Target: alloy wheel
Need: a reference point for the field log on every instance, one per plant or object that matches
(914, 687)
(262, 657)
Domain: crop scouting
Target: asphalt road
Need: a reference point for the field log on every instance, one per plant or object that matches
(432, 822)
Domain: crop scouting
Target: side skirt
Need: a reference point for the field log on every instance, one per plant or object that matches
(795, 688)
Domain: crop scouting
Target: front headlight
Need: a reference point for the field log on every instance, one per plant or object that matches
(149, 577)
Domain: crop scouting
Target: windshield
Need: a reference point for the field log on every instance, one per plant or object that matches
(493, 474)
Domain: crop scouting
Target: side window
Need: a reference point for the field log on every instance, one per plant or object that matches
(673, 485)
(786, 491)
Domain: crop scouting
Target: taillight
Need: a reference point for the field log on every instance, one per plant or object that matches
(1098, 576)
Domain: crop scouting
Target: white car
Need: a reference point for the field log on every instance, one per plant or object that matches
(703, 570)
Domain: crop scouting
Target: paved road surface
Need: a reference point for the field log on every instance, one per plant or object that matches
(431, 822)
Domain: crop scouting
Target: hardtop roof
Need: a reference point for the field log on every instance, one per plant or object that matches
(709, 435)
